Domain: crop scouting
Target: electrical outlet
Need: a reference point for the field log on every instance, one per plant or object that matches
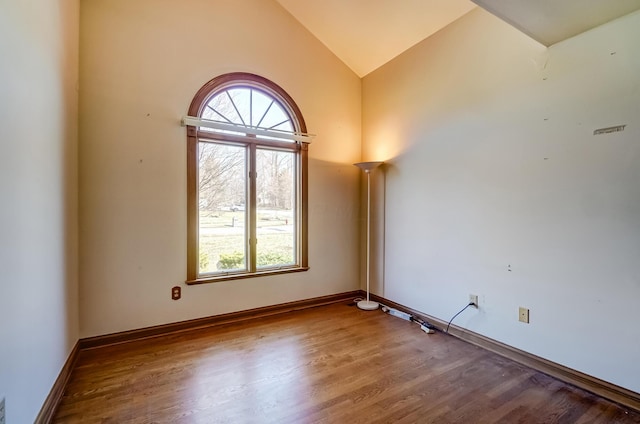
(2, 412)
(473, 298)
(176, 293)
(523, 315)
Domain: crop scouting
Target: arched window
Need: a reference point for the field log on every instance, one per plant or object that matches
(246, 181)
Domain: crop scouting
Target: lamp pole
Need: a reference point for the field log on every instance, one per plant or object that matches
(367, 167)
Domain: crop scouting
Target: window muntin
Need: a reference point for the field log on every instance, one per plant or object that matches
(246, 193)
(249, 107)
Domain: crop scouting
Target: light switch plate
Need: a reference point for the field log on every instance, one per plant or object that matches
(523, 315)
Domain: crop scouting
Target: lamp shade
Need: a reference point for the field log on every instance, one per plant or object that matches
(368, 166)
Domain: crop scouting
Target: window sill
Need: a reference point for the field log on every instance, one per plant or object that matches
(229, 277)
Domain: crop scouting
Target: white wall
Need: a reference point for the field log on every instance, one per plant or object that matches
(492, 162)
(38, 192)
(141, 64)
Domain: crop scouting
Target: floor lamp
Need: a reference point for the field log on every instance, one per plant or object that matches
(367, 167)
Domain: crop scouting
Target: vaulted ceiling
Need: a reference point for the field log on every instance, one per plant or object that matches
(552, 21)
(365, 34)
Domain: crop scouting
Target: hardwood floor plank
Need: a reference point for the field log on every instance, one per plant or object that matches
(331, 364)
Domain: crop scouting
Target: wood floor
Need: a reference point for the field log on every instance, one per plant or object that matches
(331, 364)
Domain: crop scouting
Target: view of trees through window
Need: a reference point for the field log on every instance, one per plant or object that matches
(225, 187)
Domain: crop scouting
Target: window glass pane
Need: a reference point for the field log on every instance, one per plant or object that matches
(276, 209)
(222, 207)
(284, 126)
(275, 117)
(220, 109)
(241, 100)
(261, 104)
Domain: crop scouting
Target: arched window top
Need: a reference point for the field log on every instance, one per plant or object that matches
(247, 105)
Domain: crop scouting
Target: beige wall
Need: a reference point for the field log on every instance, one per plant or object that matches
(492, 162)
(38, 188)
(141, 64)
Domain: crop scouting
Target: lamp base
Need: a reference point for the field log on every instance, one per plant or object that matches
(368, 305)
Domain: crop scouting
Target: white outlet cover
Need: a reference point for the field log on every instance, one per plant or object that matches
(473, 298)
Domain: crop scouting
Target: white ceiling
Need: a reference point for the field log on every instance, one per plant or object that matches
(551, 21)
(365, 34)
